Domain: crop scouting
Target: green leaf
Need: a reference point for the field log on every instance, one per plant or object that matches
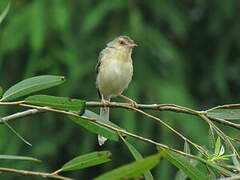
(95, 128)
(206, 162)
(63, 103)
(132, 170)
(211, 139)
(13, 157)
(219, 168)
(137, 156)
(17, 134)
(180, 174)
(235, 161)
(87, 160)
(5, 10)
(182, 163)
(186, 147)
(227, 114)
(31, 85)
(217, 146)
(1, 91)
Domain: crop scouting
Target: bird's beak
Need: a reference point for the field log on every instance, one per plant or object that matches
(132, 45)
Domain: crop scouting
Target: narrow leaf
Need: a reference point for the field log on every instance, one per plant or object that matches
(180, 174)
(17, 134)
(211, 139)
(132, 170)
(205, 162)
(137, 156)
(222, 151)
(227, 114)
(223, 136)
(31, 85)
(1, 91)
(5, 11)
(219, 168)
(186, 147)
(226, 157)
(183, 164)
(13, 157)
(87, 160)
(63, 103)
(95, 128)
(217, 146)
(236, 162)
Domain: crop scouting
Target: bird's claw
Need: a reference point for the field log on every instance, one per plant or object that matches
(133, 103)
(105, 102)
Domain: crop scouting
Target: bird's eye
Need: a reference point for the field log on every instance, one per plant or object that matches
(121, 42)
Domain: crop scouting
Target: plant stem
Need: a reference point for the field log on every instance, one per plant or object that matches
(44, 175)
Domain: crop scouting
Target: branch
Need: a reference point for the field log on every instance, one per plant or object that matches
(170, 107)
(160, 107)
(126, 106)
(224, 122)
(199, 148)
(224, 106)
(38, 109)
(44, 175)
(19, 115)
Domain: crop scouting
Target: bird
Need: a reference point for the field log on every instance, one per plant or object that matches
(114, 73)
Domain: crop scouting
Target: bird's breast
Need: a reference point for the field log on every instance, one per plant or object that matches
(114, 76)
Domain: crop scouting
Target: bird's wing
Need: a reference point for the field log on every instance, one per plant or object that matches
(105, 51)
(100, 57)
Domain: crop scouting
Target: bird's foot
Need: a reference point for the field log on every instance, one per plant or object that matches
(105, 102)
(131, 102)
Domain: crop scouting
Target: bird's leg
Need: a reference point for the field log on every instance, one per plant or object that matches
(105, 101)
(131, 102)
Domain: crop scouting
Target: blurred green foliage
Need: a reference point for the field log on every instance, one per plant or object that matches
(188, 54)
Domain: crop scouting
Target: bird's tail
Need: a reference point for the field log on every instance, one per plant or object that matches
(104, 114)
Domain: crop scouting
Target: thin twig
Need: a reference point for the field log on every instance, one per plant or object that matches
(10, 103)
(169, 107)
(123, 132)
(44, 175)
(19, 115)
(223, 106)
(160, 107)
(199, 148)
(224, 122)
(39, 109)
(42, 109)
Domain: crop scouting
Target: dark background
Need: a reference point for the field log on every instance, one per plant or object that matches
(188, 54)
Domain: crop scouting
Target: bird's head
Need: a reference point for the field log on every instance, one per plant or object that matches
(123, 43)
